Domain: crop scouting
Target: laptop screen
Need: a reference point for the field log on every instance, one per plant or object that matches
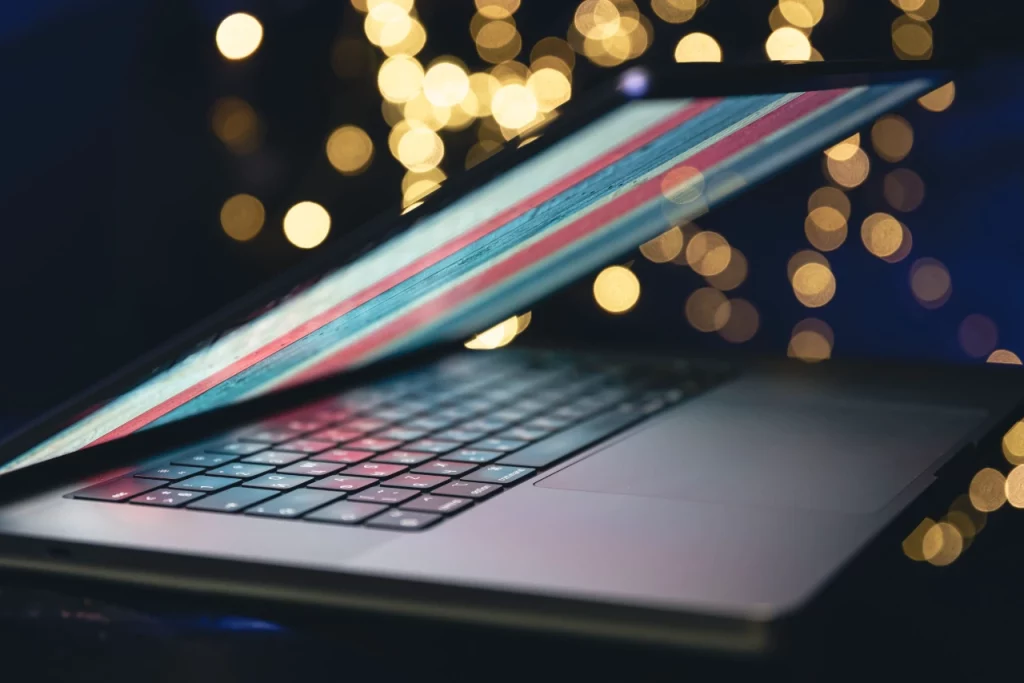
(612, 184)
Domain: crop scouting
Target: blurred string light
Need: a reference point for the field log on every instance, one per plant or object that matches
(481, 151)
(1013, 444)
(892, 137)
(811, 278)
(1015, 487)
(400, 78)
(978, 335)
(497, 9)
(501, 334)
(903, 189)
(848, 172)
(930, 282)
(825, 227)
(497, 40)
(416, 186)
(306, 224)
(802, 13)
(743, 322)
(445, 83)
(235, 124)
(788, 44)
(939, 99)
(708, 253)
(708, 310)
(676, 11)
(811, 341)
(923, 10)
(664, 247)
(734, 274)
(881, 234)
(242, 217)
(350, 150)
(698, 47)
(419, 148)
(987, 490)
(616, 289)
(911, 38)
(830, 197)
(1003, 357)
(239, 36)
(845, 149)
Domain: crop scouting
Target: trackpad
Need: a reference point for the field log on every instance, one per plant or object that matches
(768, 443)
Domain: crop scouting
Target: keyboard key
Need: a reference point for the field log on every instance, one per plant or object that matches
(301, 425)
(346, 512)
(293, 504)
(473, 455)
(166, 498)
(485, 424)
(311, 469)
(373, 444)
(275, 458)
(466, 489)
(342, 483)
(444, 505)
(383, 494)
(563, 444)
(238, 448)
(203, 460)
(336, 435)
(460, 435)
(307, 446)
(432, 446)
(269, 435)
(403, 519)
(401, 433)
(395, 413)
(328, 414)
(169, 473)
(281, 482)
(411, 480)
(512, 414)
(453, 413)
(499, 474)
(404, 457)
(118, 489)
(547, 422)
(523, 434)
(241, 470)
(430, 423)
(232, 500)
(374, 469)
(495, 444)
(445, 469)
(365, 425)
(343, 456)
(204, 483)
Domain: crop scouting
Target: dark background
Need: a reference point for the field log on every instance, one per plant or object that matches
(111, 178)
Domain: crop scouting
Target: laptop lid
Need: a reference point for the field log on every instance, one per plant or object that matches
(650, 151)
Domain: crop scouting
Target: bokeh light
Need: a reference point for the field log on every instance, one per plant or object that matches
(400, 78)
(811, 341)
(1015, 487)
(881, 234)
(445, 84)
(802, 13)
(849, 172)
(236, 124)
(1013, 444)
(616, 289)
(495, 337)
(420, 148)
(930, 282)
(845, 149)
(892, 137)
(306, 224)
(239, 35)
(664, 247)
(903, 189)
(812, 280)
(788, 44)
(550, 87)
(831, 197)
(743, 322)
(942, 544)
(675, 11)
(242, 217)
(481, 151)
(430, 115)
(497, 9)
(825, 228)
(911, 39)
(904, 249)
(939, 99)
(514, 106)
(597, 19)
(978, 335)
(708, 310)
(733, 275)
(698, 47)
(496, 41)
(349, 149)
(708, 253)
(913, 544)
(412, 41)
(923, 10)
(1003, 357)
(682, 185)
(987, 490)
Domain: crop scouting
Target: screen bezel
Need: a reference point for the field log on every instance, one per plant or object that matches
(675, 81)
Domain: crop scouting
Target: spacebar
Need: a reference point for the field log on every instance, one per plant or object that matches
(573, 440)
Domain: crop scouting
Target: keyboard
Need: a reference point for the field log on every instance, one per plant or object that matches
(414, 451)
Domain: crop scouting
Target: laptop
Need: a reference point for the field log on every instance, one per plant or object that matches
(626, 493)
